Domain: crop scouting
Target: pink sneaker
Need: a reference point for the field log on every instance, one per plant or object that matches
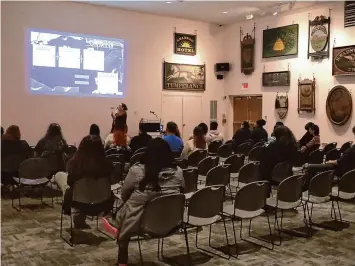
(109, 228)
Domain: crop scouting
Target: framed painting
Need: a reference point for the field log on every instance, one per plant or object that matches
(273, 79)
(184, 44)
(282, 41)
(339, 105)
(306, 96)
(184, 77)
(343, 62)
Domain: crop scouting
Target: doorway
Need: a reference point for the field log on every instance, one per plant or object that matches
(185, 111)
(246, 108)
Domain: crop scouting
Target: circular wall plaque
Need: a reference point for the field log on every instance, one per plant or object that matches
(339, 105)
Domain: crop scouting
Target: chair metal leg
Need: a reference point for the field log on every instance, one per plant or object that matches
(235, 242)
(13, 193)
(140, 250)
(187, 247)
(70, 242)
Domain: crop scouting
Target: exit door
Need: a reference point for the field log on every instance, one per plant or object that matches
(246, 108)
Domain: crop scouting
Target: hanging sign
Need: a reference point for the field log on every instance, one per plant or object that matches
(185, 44)
(343, 60)
(318, 37)
(247, 49)
(281, 105)
(339, 105)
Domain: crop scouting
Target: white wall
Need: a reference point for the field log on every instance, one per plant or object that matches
(299, 66)
(149, 40)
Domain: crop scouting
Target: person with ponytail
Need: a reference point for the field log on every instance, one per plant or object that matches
(155, 175)
(198, 142)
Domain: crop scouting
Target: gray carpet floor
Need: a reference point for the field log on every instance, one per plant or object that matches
(31, 237)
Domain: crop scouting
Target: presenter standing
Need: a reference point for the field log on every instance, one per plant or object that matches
(119, 116)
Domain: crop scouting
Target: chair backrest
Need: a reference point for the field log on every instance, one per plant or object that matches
(180, 162)
(176, 154)
(111, 151)
(281, 171)
(225, 150)
(35, 168)
(313, 148)
(33, 149)
(117, 173)
(347, 182)
(329, 147)
(229, 141)
(207, 202)
(218, 175)
(316, 157)
(116, 158)
(260, 143)
(244, 148)
(290, 189)
(196, 157)
(70, 150)
(321, 184)
(92, 190)
(191, 179)
(140, 150)
(163, 215)
(214, 146)
(252, 197)
(236, 161)
(333, 154)
(249, 173)
(299, 159)
(136, 158)
(255, 153)
(346, 146)
(207, 164)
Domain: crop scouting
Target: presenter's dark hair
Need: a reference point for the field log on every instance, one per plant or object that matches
(124, 106)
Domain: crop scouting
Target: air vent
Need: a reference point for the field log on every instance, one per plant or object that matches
(213, 111)
(349, 14)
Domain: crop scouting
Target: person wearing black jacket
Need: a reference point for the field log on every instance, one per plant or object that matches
(243, 134)
(259, 133)
(307, 137)
(284, 148)
(141, 140)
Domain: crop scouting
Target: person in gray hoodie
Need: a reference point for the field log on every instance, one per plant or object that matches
(154, 176)
(214, 134)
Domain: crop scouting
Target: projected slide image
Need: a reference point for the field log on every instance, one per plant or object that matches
(75, 64)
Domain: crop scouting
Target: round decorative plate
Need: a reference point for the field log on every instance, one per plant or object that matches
(339, 105)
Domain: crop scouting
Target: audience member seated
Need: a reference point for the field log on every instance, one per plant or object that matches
(88, 162)
(259, 133)
(341, 166)
(272, 137)
(13, 152)
(156, 175)
(175, 143)
(94, 130)
(204, 129)
(141, 140)
(2, 131)
(284, 148)
(197, 143)
(242, 134)
(314, 142)
(119, 137)
(214, 134)
(307, 137)
(52, 147)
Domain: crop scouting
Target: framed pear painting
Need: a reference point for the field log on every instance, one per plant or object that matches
(282, 41)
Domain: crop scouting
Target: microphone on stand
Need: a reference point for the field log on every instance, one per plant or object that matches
(152, 112)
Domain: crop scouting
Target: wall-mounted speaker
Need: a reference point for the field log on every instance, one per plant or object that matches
(219, 76)
(221, 67)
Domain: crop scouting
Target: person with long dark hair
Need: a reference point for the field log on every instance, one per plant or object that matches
(198, 142)
(259, 133)
(88, 162)
(94, 130)
(13, 152)
(284, 148)
(243, 134)
(52, 147)
(155, 175)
